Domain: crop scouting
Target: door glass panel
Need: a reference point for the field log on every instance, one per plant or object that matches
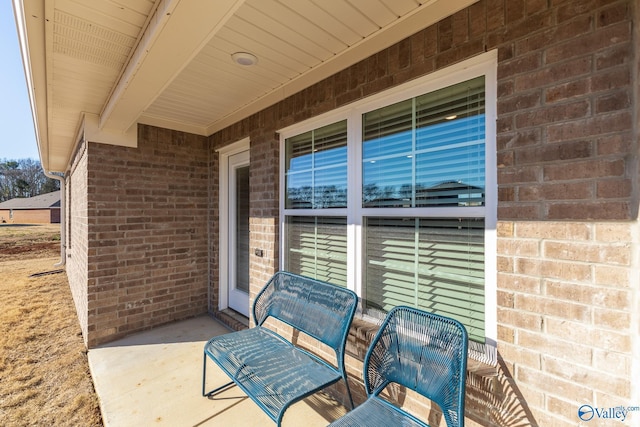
(242, 229)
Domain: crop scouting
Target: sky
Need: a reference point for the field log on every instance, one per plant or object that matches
(18, 139)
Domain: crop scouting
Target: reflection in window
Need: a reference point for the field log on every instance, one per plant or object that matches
(316, 168)
(427, 151)
(436, 264)
(317, 247)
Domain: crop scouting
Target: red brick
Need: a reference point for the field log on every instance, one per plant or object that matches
(572, 150)
(614, 101)
(589, 43)
(568, 191)
(601, 124)
(522, 138)
(570, 9)
(554, 74)
(520, 211)
(613, 144)
(588, 169)
(495, 14)
(604, 210)
(519, 102)
(519, 175)
(445, 34)
(614, 189)
(552, 114)
(567, 90)
(460, 27)
(614, 56)
(611, 79)
(613, 14)
(535, 6)
(477, 19)
(514, 11)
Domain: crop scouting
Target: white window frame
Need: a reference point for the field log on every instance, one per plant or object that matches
(223, 202)
(484, 64)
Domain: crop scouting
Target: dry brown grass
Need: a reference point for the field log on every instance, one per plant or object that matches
(44, 373)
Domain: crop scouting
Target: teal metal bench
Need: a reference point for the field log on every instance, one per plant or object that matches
(272, 371)
(421, 351)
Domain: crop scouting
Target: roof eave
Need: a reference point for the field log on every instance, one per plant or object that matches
(30, 24)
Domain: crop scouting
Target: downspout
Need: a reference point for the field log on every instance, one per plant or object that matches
(63, 245)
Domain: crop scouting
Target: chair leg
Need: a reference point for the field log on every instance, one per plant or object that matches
(346, 381)
(204, 373)
(204, 380)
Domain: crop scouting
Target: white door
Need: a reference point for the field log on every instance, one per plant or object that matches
(238, 238)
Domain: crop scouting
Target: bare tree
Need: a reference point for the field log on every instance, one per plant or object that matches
(24, 178)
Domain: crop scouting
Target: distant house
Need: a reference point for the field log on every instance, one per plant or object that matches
(42, 209)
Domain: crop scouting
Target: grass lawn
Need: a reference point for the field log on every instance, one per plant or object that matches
(44, 373)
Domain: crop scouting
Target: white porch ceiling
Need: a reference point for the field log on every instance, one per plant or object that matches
(102, 66)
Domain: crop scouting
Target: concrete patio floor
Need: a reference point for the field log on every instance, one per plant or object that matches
(154, 378)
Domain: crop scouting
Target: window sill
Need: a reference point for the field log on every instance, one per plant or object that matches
(363, 331)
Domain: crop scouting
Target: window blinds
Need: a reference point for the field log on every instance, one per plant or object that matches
(427, 151)
(436, 264)
(316, 168)
(317, 247)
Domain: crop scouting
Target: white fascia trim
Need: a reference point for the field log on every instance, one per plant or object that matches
(32, 40)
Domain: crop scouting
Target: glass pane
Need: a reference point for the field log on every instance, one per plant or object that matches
(242, 229)
(450, 145)
(427, 151)
(317, 247)
(387, 151)
(433, 264)
(387, 131)
(388, 182)
(316, 168)
(451, 271)
(390, 263)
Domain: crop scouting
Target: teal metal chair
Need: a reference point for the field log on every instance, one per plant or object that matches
(421, 351)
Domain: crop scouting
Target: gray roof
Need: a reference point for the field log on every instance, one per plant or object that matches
(43, 201)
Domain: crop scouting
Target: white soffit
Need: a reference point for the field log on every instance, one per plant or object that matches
(297, 42)
(168, 63)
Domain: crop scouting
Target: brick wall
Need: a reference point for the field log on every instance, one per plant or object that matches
(565, 112)
(147, 232)
(77, 226)
(568, 195)
(566, 303)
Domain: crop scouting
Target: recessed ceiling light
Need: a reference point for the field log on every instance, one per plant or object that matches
(451, 117)
(244, 58)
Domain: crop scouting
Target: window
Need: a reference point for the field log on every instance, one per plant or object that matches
(426, 151)
(317, 247)
(316, 168)
(395, 197)
(436, 264)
